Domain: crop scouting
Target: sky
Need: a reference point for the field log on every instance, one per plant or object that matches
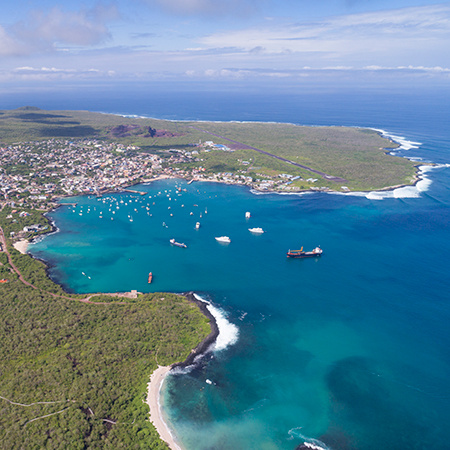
(281, 41)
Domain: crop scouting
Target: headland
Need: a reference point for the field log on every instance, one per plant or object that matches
(158, 376)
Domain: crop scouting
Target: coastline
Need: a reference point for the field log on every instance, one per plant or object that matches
(159, 375)
(156, 418)
(21, 246)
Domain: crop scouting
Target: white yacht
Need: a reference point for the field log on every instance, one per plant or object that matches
(225, 239)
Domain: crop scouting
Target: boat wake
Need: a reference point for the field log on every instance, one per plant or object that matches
(228, 332)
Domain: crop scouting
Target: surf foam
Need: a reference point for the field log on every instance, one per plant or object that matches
(310, 443)
(228, 332)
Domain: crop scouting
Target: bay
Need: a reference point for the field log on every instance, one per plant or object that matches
(344, 351)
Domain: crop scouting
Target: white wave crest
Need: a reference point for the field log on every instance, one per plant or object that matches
(422, 185)
(404, 143)
(311, 443)
(228, 332)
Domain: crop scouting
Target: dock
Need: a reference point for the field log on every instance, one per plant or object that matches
(134, 192)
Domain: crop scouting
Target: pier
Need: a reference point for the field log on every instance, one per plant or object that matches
(135, 192)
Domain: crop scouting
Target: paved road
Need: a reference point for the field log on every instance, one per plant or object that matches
(245, 146)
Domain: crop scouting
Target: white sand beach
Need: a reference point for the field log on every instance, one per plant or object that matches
(154, 387)
(21, 246)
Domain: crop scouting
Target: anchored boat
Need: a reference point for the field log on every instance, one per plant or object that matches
(177, 244)
(301, 254)
(225, 239)
(257, 230)
(150, 277)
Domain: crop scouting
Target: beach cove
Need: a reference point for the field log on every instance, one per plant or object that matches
(346, 352)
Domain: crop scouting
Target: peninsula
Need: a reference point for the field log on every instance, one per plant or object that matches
(47, 154)
(80, 365)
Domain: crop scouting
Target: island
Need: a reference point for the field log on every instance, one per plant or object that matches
(74, 368)
(59, 153)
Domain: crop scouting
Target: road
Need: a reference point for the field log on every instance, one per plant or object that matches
(245, 146)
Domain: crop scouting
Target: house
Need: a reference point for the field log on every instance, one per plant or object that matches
(32, 228)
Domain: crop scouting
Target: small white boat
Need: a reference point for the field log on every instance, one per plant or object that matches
(178, 244)
(197, 225)
(257, 230)
(247, 215)
(225, 239)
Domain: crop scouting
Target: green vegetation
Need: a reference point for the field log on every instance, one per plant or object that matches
(357, 156)
(14, 222)
(90, 362)
(73, 374)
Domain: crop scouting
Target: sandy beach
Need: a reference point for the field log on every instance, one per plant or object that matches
(154, 387)
(21, 246)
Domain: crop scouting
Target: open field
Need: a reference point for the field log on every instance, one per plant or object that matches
(357, 156)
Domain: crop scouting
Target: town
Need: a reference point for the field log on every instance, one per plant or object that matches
(40, 172)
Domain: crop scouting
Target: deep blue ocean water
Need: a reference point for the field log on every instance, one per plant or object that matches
(346, 351)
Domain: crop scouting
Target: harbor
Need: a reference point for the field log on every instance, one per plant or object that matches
(302, 307)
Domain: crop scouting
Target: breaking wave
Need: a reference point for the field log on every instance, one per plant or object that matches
(308, 443)
(228, 332)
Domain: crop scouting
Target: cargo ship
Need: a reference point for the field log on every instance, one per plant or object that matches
(178, 244)
(150, 277)
(301, 254)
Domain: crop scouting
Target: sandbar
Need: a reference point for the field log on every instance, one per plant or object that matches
(154, 388)
(21, 246)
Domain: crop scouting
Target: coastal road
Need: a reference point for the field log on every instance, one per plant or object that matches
(245, 146)
(5, 250)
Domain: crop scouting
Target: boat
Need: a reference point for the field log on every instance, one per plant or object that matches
(178, 244)
(301, 254)
(225, 239)
(197, 225)
(150, 277)
(257, 230)
(247, 215)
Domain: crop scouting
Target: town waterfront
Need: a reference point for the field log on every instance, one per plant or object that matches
(344, 351)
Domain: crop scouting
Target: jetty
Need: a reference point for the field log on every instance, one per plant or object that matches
(134, 191)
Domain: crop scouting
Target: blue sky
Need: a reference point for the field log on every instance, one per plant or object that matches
(202, 40)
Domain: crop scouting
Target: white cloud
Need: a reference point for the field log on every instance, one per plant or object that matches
(415, 36)
(214, 8)
(8, 45)
(250, 74)
(28, 73)
(44, 31)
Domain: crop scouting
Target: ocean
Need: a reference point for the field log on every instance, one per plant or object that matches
(346, 351)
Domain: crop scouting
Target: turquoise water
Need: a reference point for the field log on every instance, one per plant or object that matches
(346, 351)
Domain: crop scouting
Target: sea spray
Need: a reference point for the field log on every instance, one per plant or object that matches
(228, 332)
(308, 443)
